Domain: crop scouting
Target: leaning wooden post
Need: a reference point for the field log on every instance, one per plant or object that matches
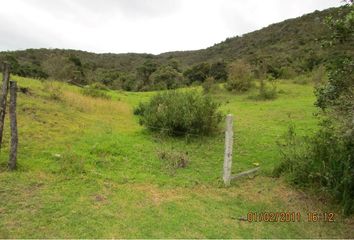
(228, 150)
(3, 98)
(13, 125)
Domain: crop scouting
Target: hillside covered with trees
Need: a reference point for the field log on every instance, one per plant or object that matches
(282, 50)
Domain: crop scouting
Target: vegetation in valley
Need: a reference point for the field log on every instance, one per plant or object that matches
(87, 168)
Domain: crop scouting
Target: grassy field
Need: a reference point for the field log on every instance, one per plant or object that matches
(87, 169)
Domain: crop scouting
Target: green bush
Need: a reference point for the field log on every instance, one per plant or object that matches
(92, 91)
(179, 113)
(208, 84)
(295, 162)
(139, 110)
(268, 89)
(323, 161)
(240, 77)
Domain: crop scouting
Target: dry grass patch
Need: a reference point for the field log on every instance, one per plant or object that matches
(157, 195)
(95, 105)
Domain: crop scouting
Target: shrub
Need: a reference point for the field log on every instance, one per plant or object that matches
(240, 77)
(181, 113)
(208, 84)
(139, 110)
(323, 161)
(267, 92)
(293, 154)
(92, 91)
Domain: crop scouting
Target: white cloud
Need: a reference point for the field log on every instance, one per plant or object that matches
(152, 26)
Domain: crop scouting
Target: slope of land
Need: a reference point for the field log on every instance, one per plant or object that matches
(294, 44)
(87, 169)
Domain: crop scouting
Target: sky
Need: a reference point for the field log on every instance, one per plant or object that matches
(142, 26)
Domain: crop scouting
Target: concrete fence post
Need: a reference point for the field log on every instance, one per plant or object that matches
(228, 150)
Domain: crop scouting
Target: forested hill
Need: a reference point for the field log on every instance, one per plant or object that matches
(291, 41)
(291, 46)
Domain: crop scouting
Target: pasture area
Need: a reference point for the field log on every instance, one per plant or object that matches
(87, 169)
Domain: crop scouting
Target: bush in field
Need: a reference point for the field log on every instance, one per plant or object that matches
(323, 161)
(208, 84)
(179, 113)
(94, 91)
(139, 110)
(240, 77)
(267, 88)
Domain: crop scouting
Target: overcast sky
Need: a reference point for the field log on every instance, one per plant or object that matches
(151, 26)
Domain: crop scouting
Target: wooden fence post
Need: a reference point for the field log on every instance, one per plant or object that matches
(3, 98)
(13, 125)
(228, 150)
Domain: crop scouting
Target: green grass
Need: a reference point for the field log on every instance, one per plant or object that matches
(88, 170)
